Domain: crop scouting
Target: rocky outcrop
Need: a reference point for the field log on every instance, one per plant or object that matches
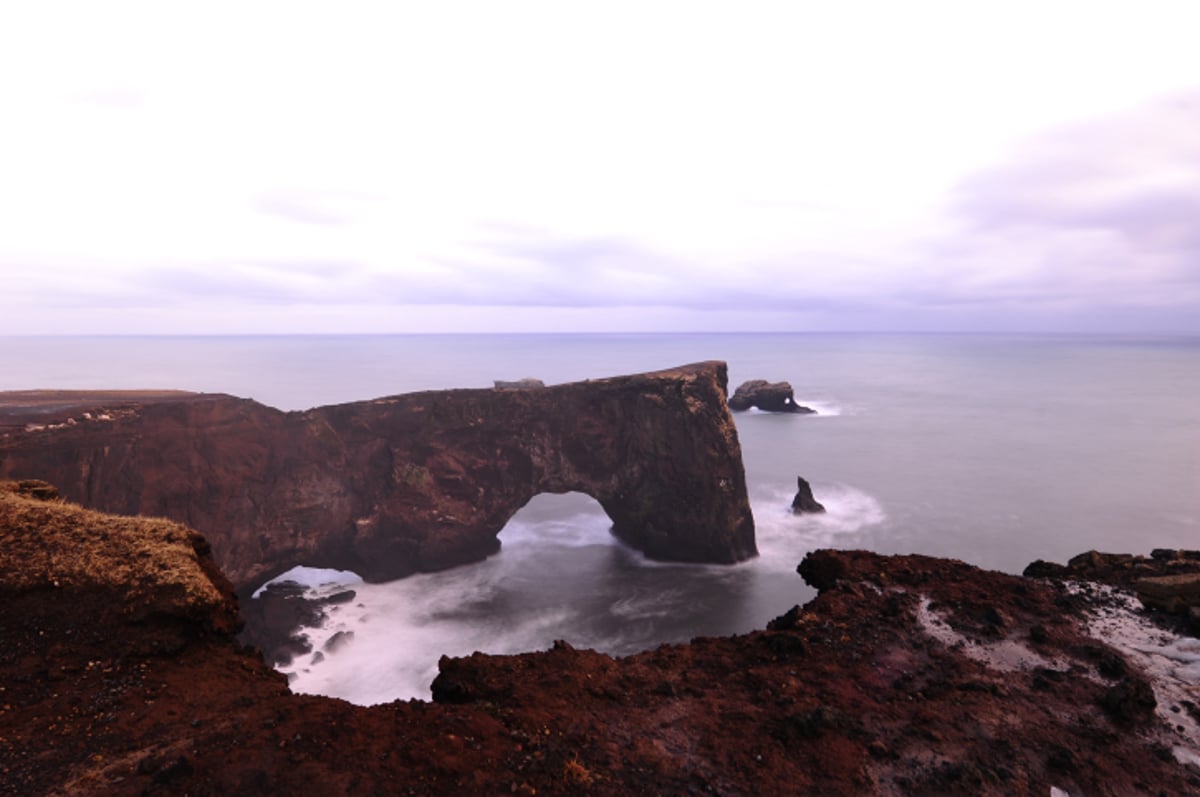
(1118, 569)
(804, 502)
(882, 685)
(1178, 594)
(766, 396)
(406, 483)
(1167, 581)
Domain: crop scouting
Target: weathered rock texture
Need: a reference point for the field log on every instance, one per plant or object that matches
(407, 483)
(879, 686)
(766, 396)
(1179, 594)
(1119, 569)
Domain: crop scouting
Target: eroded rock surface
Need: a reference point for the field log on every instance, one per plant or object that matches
(907, 675)
(416, 482)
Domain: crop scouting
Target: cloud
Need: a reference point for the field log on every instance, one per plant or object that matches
(113, 96)
(789, 166)
(316, 206)
(1097, 212)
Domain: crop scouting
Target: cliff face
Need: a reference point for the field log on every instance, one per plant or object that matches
(119, 675)
(407, 483)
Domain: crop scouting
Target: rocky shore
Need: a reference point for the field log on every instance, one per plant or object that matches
(907, 675)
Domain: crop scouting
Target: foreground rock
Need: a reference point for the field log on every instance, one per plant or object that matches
(766, 396)
(408, 483)
(905, 676)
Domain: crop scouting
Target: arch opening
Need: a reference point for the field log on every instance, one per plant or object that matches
(570, 519)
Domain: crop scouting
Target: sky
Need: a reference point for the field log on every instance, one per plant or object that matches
(252, 167)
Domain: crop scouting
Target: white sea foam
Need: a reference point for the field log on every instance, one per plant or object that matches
(1171, 662)
(401, 629)
(313, 577)
(784, 538)
(578, 529)
(560, 575)
(823, 407)
(1008, 655)
(646, 604)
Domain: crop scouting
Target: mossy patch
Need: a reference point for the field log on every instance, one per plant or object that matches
(152, 566)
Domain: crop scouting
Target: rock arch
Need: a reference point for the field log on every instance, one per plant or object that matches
(416, 482)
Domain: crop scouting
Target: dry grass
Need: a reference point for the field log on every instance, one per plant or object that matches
(576, 773)
(151, 563)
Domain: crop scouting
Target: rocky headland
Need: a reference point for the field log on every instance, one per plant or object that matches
(907, 675)
(396, 485)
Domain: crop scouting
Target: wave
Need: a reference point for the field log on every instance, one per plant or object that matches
(824, 409)
(559, 576)
(386, 643)
(573, 532)
(313, 577)
(571, 520)
(784, 537)
(647, 604)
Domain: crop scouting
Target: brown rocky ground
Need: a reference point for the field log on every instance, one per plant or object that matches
(906, 675)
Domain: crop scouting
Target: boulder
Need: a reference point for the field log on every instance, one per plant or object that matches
(804, 503)
(1174, 594)
(766, 396)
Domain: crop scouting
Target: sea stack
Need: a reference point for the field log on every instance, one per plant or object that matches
(804, 503)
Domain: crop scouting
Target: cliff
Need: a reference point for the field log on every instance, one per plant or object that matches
(906, 675)
(406, 483)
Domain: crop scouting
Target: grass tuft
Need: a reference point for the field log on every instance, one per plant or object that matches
(153, 564)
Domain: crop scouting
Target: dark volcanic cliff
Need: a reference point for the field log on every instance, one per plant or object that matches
(406, 483)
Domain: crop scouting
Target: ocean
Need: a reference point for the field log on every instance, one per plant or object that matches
(996, 450)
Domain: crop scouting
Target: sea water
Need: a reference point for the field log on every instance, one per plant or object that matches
(996, 450)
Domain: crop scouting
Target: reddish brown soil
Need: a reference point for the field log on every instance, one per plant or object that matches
(845, 696)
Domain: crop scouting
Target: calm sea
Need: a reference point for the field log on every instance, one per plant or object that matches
(997, 450)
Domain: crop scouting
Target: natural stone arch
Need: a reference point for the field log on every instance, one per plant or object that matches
(415, 482)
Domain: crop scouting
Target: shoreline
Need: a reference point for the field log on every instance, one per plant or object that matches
(849, 695)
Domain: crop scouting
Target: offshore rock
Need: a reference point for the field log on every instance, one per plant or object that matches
(408, 483)
(804, 503)
(766, 396)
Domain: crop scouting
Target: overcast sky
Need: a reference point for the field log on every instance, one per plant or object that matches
(346, 167)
